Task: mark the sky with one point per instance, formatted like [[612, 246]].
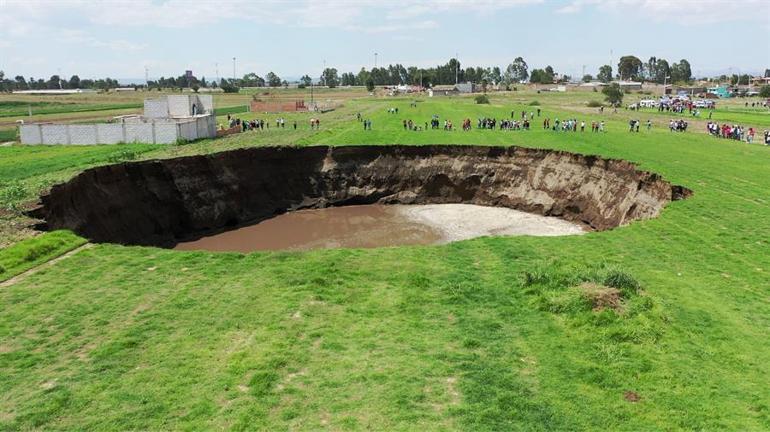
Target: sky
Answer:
[[119, 38]]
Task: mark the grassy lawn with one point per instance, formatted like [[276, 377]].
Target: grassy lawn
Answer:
[[21, 108], [496, 333]]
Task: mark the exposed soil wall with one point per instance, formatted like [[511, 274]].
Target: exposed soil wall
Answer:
[[161, 202]]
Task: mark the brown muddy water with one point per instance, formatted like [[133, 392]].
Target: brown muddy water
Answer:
[[370, 226]]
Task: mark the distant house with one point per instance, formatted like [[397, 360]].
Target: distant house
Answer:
[[593, 83], [690, 90], [54, 92], [466, 87], [443, 90], [629, 85], [721, 91], [765, 80]]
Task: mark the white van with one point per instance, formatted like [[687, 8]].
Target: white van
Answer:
[[648, 103]]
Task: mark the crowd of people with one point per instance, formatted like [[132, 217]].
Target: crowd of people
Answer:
[[726, 131], [735, 132], [677, 125], [257, 124], [635, 124]]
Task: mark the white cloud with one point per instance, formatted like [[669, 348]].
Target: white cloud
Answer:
[[80, 37], [19, 17], [683, 12]]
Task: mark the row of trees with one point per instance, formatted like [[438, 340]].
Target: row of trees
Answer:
[[448, 73], [655, 70], [629, 67], [54, 82]]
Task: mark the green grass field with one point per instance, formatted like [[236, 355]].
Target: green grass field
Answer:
[[21, 108], [496, 333]]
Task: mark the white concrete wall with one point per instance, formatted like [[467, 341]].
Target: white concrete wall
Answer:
[[166, 132], [208, 103], [154, 131], [31, 134], [188, 130], [83, 134], [55, 134], [156, 108], [179, 106], [109, 133], [141, 133]]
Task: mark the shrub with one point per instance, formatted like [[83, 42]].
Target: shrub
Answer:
[[122, 156], [594, 104], [482, 99], [534, 103], [621, 280], [11, 194], [765, 91]]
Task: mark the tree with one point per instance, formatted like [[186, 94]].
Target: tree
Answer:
[[681, 72], [587, 78], [74, 82], [613, 94], [605, 74], [21, 83], [629, 67], [273, 80], [370, 84], [362, 77], [662, 70], [329, 78], [651, 66], [496, 75], [517, 71], [549, 73], [306, 80], [764, 91], [252, 80], [744, 79], [228, 87], [54, 82], [538, 76]]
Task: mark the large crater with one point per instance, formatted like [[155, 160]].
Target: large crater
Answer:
[[162, 202]]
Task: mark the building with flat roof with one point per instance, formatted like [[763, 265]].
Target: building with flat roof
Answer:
[[166, 120]]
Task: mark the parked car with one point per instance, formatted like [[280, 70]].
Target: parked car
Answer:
[[705, 103], [648, 103]]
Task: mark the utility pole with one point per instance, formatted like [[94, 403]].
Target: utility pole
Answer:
[[59, 74], [146, 77], [584, 73], [375, 60], [216, 69], [233, 70], [610, 59]]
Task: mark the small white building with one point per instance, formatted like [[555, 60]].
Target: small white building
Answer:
[[54, 91], [166, 120], [629, 85]]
